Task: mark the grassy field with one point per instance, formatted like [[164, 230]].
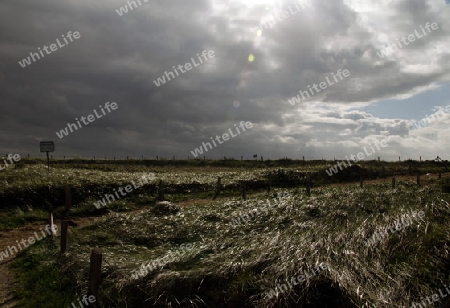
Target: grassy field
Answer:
[[343, 246]]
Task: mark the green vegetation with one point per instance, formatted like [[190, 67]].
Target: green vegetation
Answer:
[[41, 278], [237, 266], [12, 219]]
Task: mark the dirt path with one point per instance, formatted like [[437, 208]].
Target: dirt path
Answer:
[[9, 238]]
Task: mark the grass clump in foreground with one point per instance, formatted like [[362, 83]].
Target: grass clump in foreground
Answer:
[[42, 280], [238, 266], [12, 219]]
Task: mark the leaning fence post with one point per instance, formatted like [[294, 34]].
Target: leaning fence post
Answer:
[[95, 274]]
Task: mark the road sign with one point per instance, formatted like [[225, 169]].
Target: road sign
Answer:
[[47, 146]]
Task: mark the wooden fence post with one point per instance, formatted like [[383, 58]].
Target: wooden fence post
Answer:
[[418, 179], [269, 186], [161, 191], [361, 182], [95, 275], [308, 185], [217, 192], [393, 183], [64, 226], [68, 203], [440, 175], [244, 193]]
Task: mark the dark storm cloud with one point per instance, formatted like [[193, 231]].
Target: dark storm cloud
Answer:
[[118, 57]]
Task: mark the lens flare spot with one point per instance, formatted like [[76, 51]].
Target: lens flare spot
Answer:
[[251, 58]]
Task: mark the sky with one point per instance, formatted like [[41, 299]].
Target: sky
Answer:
[[265, 53]]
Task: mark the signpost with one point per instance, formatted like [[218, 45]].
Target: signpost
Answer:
[[47, 146]]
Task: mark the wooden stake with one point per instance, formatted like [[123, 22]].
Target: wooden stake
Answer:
[[161, 191], [308, 185], [68, 204], [95, 275], [218, 185]]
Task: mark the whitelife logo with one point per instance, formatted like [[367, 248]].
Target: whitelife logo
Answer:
[[15, 157], [244, 218], [435, 297], [295, 280], [85, 300], [65, 131], [31, 240], [360, 156], [27, 61], [390, 49], [161, 262], [280, 15], [296, 99], [398, 224], [225, 136], [124, 9], [145, 179], [441, 113], [187, 66]]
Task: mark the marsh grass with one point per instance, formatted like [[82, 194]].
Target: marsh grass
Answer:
[[233, 266]]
